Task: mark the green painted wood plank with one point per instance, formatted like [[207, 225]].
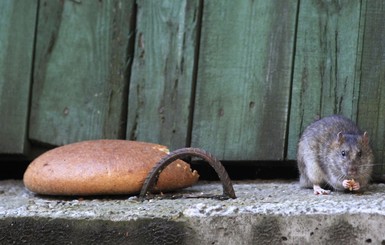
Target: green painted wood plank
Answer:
[[81, 66], [371, 108], [17, 29], [162, 73], [243, 84], [325, 79]]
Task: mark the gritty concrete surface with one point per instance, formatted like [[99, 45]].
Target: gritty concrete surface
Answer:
[[265, 212]]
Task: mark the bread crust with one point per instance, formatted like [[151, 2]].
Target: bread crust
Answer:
[[104, 167]]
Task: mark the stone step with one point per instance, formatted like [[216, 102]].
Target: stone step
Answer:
[[265, 212]]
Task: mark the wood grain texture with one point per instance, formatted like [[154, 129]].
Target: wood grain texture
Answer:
[[81, 69], [17, 27], [326, 78], [371, 108], [243, 85], [162, 74]]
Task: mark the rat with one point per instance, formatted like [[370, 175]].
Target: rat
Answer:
[[334, 152]]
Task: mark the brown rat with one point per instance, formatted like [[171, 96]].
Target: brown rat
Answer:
[[333, 151]]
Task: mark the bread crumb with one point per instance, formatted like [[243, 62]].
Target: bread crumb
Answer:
[[351, 184], [162, 149]]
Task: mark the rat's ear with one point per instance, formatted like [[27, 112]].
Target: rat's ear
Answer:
[[340, 137], [365, 138]]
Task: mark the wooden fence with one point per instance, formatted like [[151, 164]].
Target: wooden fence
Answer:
[[241, 79]]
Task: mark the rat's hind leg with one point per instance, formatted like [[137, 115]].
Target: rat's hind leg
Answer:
[[304, 181], [312, 176], [319, 191]]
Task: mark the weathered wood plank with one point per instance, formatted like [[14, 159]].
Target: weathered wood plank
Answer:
[[81, 66], [162, 74], [17, 29], [371, 108], [243, 84], [326, 78]]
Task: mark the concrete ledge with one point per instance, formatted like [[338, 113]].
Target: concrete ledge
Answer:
[[265, 212]]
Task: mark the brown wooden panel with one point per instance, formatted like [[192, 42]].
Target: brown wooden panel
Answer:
[[17, 29], [163, 70], [81, 65], [244, 73]]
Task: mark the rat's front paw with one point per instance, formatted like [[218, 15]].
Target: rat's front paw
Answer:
[[351, 185], [346, 184], [356, 186]]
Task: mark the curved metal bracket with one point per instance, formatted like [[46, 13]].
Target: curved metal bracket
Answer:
[[152, 177]]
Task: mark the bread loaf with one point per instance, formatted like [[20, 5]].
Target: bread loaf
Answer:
[[103, 167]]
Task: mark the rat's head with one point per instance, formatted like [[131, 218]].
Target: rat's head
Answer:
[[351, 156]]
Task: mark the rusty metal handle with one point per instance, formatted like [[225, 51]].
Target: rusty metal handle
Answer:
[[152, 177]]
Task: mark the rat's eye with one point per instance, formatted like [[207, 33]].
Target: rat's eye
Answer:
[[343, 153], [359, 154]]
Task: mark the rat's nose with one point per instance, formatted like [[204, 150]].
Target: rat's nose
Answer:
[[352, 170]]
